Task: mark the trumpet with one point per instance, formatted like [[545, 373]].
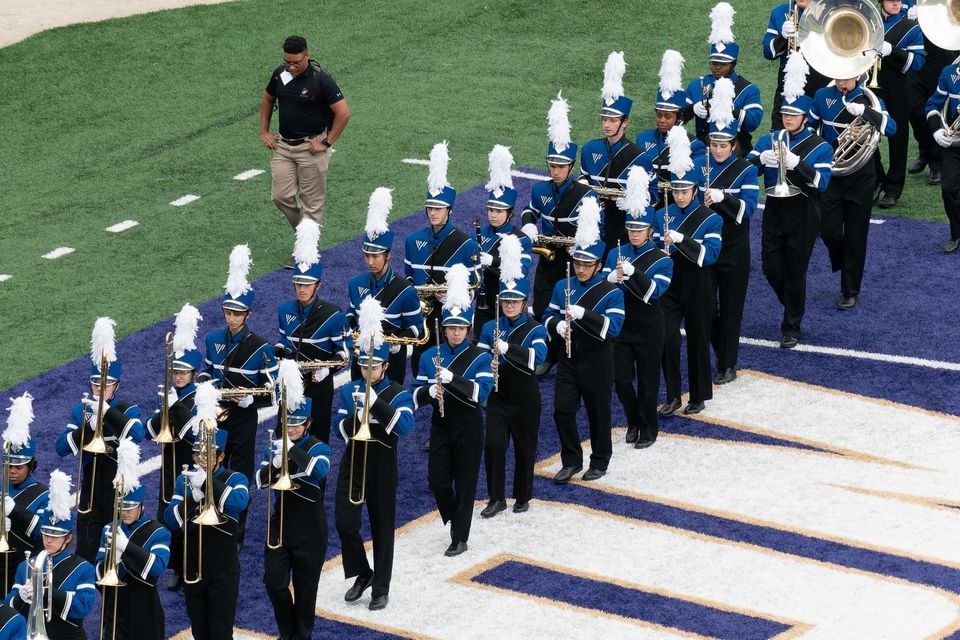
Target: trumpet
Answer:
[[97, 444], [5, 547], [793, 11], [40, 578], [207, 515], [782, 189], [437, 363], [362, 434], [284, 481], [111, 571], [547, 246]]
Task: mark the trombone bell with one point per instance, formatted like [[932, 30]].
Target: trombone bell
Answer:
[[96, 445], [363, 433], [111, 579], [208, 516]]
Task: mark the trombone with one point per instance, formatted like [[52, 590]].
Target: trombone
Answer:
[[111, 572], [165, 434], [284, 481], [5, 547], [40, 578], [97, 444], [362, 434], [207, 515]]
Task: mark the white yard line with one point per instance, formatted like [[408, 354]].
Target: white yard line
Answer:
[[4, 277], [184, 200], [58, 253], [122, 226], [249, 173], [861, 355]]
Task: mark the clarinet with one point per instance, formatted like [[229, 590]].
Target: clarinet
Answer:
[[667, 218], [495, 365], [437, 363], [567, 334], [482, 303]]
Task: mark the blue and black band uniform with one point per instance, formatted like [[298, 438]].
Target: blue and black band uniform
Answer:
[[588, 373], [923, 84], [391, 418], [948, 92], [29, 497], [606, 165], [490, 243], [13, 626], [456, 440], [656, 158], [74, 595], [747, 109]]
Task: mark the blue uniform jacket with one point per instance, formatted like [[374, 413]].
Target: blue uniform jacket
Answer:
[[544, 197], [117, 425], [402, 314], [830, 117], [186, 431], [73, 598], [329, 336], [602, 321], [419, 246], [646, 285], [700, 246], [814, 168], [472, 388], [395, 416], [31, 510], [233, 500], [526, 355], [15, 627], [948, 92], [490, 243], [742, 192], [253, 370], [908, 52], [145, 562], [594, 158], [314, 463], [747, 108]]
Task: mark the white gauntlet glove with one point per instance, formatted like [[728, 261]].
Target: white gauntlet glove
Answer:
[[675, 236], [503, 346], [792, 160], [886, 49], [561, 328], [277, 447], [245, 401], [486, 259], [612, 277], [788, 30], [716, 195], [395, 348], [8, 505], [700, 109], [768, 158], [627, 267], [530, 230], [940, 135], [444, 375], [855, 108], [433, 391], [912, 13], [576, 311], [122, 539], [26, 593], [320, 374]]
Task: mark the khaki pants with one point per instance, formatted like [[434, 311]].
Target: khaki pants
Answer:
[[296, 171]]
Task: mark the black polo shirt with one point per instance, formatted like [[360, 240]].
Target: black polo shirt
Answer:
[[304, 102]]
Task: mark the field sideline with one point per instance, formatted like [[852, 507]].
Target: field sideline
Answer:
[[112, 121]]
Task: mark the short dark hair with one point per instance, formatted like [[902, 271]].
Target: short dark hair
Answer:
[[295, 44]]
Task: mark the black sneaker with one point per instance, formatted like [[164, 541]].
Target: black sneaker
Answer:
[[493, 508]]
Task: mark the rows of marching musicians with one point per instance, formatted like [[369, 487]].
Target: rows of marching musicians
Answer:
[[647, 236]]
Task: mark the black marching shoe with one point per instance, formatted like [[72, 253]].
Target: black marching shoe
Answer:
[[725, 376], [378, 602], [593, 474], [669, 408], [934, 177], [455, 549], [520, 507], [361, 584], [847, 302], [563, 476], [917, 166], [789, 342], [493, 508], [887, 202], [951, 245], [632, 434], [693, 407], [643, 444]]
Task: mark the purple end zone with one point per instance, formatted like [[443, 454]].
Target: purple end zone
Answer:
[[906, 309]]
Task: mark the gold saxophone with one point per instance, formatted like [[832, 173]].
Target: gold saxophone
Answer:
[[546, 246]]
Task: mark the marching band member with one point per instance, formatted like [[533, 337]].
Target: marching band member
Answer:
[[236, 357], [595, 314], [902, 53], [297, 545], [458, 375], [187, 361], [432, 251], [693, 242], [403, 315], [119, 420], [948, 88], [27, 497], [604, 162], [143, 550], [779, 40], [372, 466], [501, 199], [13, 626], [732, 193], [74, 594], [519, 343], [643, 274], [724, 51], [211, 601], [670, 102], [791, 224], [846, 204], [312, 329]]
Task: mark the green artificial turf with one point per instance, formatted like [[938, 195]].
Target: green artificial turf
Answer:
[[109, 121]]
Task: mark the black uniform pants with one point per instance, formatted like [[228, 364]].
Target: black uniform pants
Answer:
[[587, 376], [548, 274], [381, 501], [950, 189], [519, 421], [691, 304], [298, 561], [140, 614], [453, 467], [895, 92], [636, 354], [844, 224], [731, 276], [241, 428], [790, 227], [89, 528], [321, 402], [212, 604]]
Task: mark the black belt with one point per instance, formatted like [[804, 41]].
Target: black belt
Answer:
[[295, 142]]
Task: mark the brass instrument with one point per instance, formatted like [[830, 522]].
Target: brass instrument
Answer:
[[111, 572], [314, 365], [608, 194], [841, 38], [284, 481], [416, 342], [546, 246], [208, 514], [793, 11], [165, 434], [97, 445], [482, 303], [952, 129], [239, 392], [567, 333], [40, 578], [5, 547], [782, 189], [428, 292], [362, 434], [437, 363], [858, 142], [940, 22], [495, 364]]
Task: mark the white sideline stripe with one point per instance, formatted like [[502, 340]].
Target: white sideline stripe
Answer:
[[122, 226], [58, 252], [4, 277], [153, 464], [249, 173], [187, 199], [518, 174]]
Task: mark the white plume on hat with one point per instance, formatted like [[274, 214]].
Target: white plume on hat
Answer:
[[721, 23], [103, 342], [511, 259], [458, 288], [185, 325], [439, 160], [558, 123], [637, 196], [795, 76], [292, 381], [588, 223], [613, 72], [206, 400], [128, 463], [306, 252], [60, 502], [378, 208], [240, 262], [721, 103], [671, 73], [500, 161], [679, 144], [17, 433], [370, 319]]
